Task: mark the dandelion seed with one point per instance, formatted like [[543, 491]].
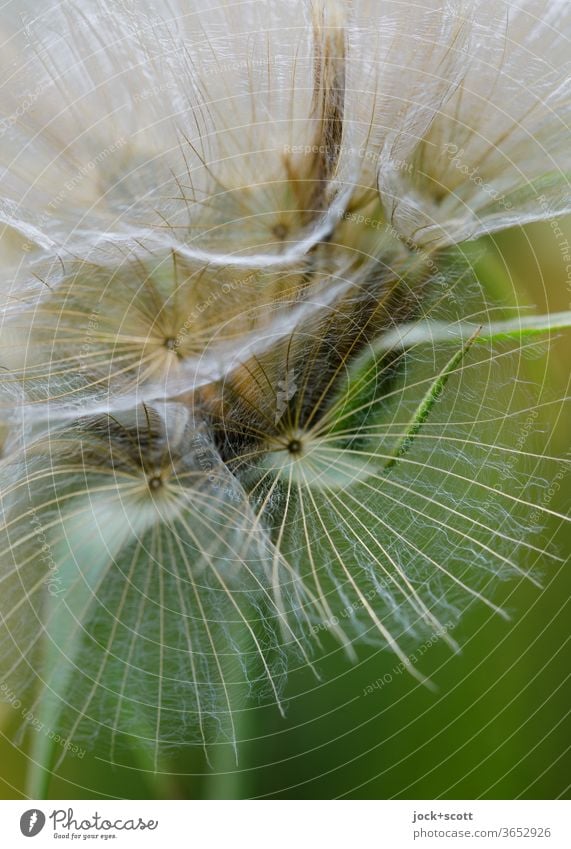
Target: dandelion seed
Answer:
[[492, 150], [234, 409]]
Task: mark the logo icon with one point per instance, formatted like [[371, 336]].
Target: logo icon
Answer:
[[32, 822]]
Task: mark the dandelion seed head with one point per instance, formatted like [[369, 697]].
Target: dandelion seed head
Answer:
[[223, 441], [295, 446]]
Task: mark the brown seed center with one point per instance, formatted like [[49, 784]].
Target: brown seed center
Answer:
[[155, 482]]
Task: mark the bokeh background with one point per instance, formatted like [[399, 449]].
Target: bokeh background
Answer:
[[496, 726]]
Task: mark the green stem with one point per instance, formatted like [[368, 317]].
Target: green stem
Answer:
[[425, 407], [424, 332]]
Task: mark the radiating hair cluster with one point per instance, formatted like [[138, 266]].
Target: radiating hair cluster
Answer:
[[253, 390]]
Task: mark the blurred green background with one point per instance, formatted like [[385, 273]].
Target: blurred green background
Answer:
[[497, 725]]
